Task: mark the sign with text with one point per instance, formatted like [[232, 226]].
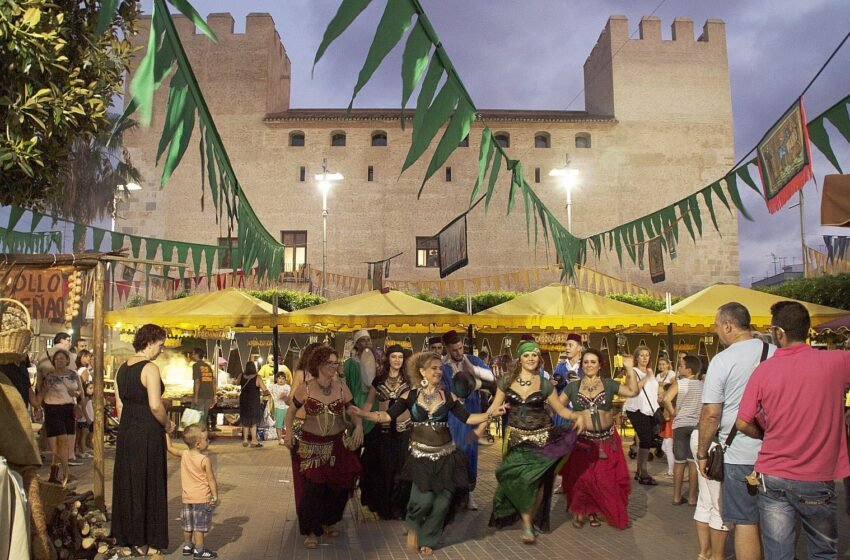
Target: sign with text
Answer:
[[41, 291]]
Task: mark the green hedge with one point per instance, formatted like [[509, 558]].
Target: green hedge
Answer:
[[480, 301], [288, 300], [833, 291], [643, 300]]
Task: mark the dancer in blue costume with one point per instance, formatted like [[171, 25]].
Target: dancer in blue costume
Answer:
[[462, 375]]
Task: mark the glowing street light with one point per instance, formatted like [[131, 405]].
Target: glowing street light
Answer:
[[569, 178], [325, 180]]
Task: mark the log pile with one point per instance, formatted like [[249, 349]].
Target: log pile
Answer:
[[78, 530]]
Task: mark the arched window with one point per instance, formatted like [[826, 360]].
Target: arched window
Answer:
[[503, 139], [338, 139], [583, 140], [542, 140], [379, 138], [296, 138]]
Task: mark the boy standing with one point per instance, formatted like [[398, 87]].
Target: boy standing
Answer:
[[200, 491]]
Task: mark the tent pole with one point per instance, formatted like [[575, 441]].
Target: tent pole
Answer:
[[99, 409]]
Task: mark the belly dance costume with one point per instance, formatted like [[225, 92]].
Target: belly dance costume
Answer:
[[385, 452], [328, 469], [596, 477], [434, 466], [533, 450]]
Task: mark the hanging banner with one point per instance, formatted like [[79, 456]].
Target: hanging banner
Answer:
[[40, 291], [784, 158], [452, 247], [656, 260]]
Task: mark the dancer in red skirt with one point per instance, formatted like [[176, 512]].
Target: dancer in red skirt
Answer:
[[596, 478]]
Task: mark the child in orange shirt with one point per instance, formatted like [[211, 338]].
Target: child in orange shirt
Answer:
[[200, 491]]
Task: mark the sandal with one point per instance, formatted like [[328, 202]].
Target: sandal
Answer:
[[330, 530], [311, 542], [528, 536], [594, 522], [244, 444], [578, 522], [426, 551], [258, 444]]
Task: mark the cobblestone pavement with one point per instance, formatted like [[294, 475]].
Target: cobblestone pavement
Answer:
[[256, 519]]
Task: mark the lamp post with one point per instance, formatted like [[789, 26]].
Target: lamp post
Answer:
[[568, 176], [325, 180]]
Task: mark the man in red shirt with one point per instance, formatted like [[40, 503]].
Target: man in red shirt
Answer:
[[795, 402]]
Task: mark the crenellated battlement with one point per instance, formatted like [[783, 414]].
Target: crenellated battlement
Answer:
[[222, 23]]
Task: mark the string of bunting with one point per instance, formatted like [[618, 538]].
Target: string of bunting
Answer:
[[425, 60], [822, 264]]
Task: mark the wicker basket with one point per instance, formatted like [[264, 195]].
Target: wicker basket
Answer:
[[15, 327]]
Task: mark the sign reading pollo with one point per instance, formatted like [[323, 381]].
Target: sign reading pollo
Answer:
[[41, 291]]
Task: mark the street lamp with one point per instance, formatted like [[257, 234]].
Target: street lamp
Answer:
[[325, 180], [568, 176]]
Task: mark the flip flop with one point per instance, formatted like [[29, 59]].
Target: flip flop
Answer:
[[594, 522]]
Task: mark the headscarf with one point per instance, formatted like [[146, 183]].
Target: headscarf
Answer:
[[360, 334], [528, 346]]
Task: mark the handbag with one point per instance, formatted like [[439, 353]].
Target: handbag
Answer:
[[657, 413], [714, 459]]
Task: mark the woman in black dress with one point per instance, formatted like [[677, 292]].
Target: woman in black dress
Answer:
[[249, 403], [385, 447], [139, 494]]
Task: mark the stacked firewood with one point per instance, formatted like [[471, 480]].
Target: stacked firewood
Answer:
[[78, 530]]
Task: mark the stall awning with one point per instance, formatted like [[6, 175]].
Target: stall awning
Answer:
[[840, 325], [394, 311], [698, 311], [561, 307], [224, 309]]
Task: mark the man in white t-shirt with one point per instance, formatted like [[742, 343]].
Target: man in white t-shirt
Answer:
[[727, 377]]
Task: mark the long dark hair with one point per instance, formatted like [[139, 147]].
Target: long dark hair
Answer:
[[385, 367], [305, 355]]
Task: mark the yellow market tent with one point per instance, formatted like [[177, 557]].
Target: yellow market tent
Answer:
[[224, 309], [697, 311], [557, 307], [394, 311]]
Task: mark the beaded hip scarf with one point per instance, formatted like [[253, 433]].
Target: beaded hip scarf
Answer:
[[434, 453]]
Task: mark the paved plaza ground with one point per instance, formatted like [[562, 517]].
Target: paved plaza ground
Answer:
[[256, 519]]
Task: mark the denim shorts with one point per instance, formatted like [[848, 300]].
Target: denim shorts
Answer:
[[196, 517], [737, 506], [682, 444]]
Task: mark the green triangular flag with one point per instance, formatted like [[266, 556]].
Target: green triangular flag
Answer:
[[135, 245], [196, 259], [36, 218], [79, 236], [117, 240], [15, 213], [182, 252], [210, 254], [97, 238]]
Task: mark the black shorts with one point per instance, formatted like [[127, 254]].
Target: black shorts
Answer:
[[59, 420], [643, 428]]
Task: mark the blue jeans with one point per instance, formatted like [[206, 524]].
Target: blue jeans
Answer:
[[782, 502]]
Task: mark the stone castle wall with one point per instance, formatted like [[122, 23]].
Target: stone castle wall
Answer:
[[658, 115]]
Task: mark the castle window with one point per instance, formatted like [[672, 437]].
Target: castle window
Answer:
[[302, 174], [583, 140], [448, 174], [427, 252], [379, 138], [542, 140], [536, 174], [503, 139], [296, 138], [338, 139], [370, 174], [228, 252], [464, 143], [294, 250]]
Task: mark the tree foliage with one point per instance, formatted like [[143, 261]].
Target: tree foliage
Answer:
[[288, 300], [643, 300], [833, 291], [480, 301], [58, 82]]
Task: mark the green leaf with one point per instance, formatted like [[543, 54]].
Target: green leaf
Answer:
[[494, 175], [178, 91], [413, 64], [187, 10], [744, 174], [820, 138], [732, 188], [718, 190], [515, 167], [693, 204], [426, 92], [438, 113], [457, 130], [144, 85], [105, 15], [706, 196], [393, 25], [31, 17], [179, 142], [485, 153], [347, 13]]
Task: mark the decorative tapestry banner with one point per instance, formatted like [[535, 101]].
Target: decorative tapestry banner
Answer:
[[784, 158], [452, 247]]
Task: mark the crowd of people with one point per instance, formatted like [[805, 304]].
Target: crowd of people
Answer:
[[405, 429]]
